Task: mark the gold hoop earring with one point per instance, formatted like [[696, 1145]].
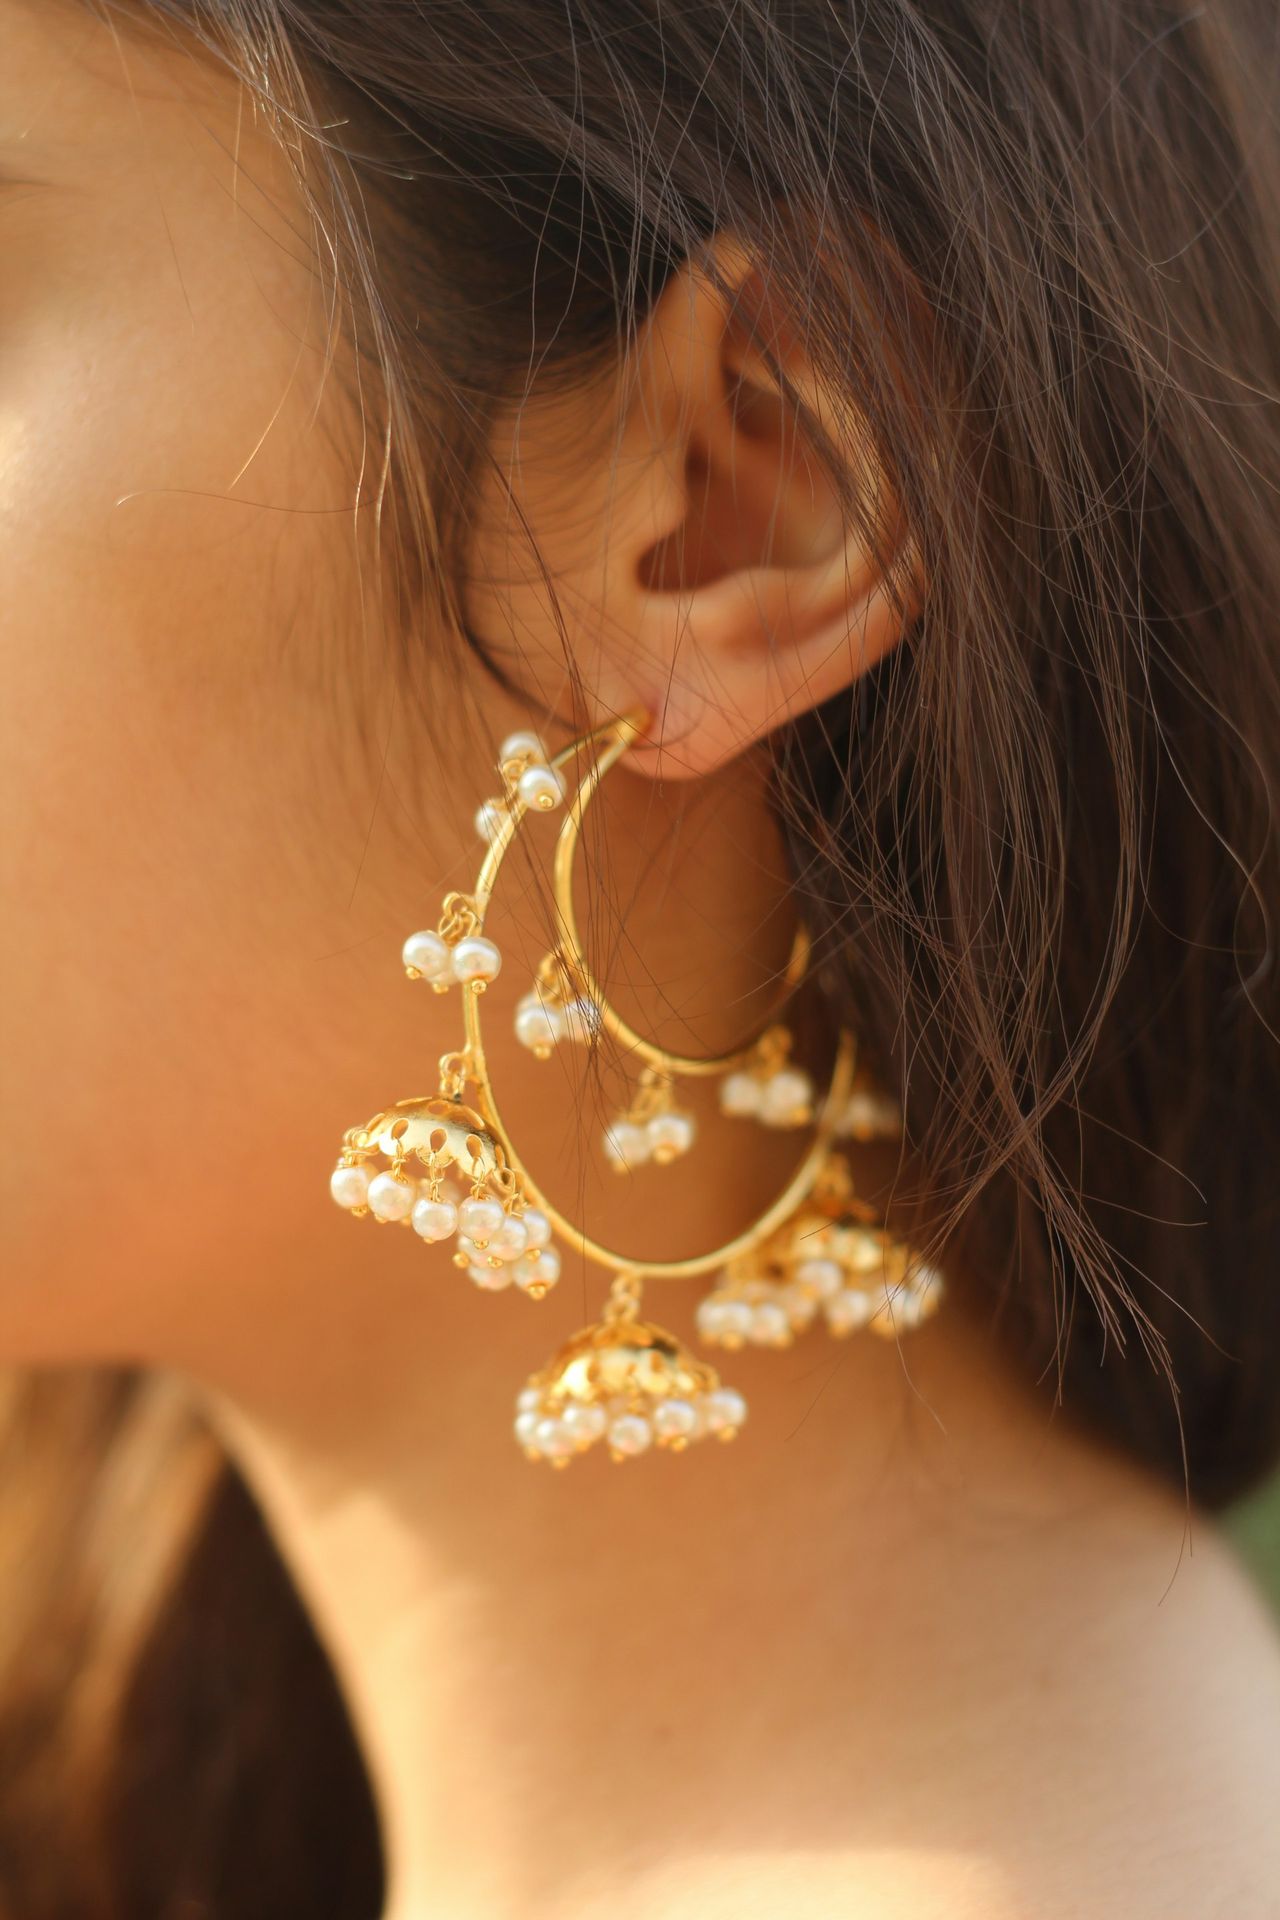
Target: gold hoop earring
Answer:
[[444, 1164]]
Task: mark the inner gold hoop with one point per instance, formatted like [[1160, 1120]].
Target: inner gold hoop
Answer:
[[611, 741]]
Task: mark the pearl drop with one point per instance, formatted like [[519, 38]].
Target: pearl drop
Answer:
[[871, 1116], [510, 1239], [521, 746], [723, 1411], [389, 1198], [674, 1420], [491, 817], [788, 1098], [929, 1283], [427, 955], [799, 1305], [823, 1277], [554, 1439], [770, 1326], [537, 1273], [526, 1428], [479, 1220], [630, 1434], [849, 1310], [735, 1322], [740, 1095], [434, 1219], [670, 1135], [581, 1021], [350, 1186], [476, 958], [529, 1400], [709, 1318], [585, 1422], [626, 1145], [863, 1251], [540, 788], [537, 1228], [539, 1026], [490, 1279]]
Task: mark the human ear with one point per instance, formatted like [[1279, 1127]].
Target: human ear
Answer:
[[704, 563], [761, 595]]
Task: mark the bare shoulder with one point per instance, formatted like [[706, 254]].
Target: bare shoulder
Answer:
[[1130, 1760], [1100, 1738]]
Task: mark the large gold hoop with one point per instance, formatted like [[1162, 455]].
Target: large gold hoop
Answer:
[[611, 741]]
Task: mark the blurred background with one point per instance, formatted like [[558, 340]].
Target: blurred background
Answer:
[[1254, 1525]]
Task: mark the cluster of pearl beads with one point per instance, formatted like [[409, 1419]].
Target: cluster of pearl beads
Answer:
[[773, 1092], [653, 1129], [543, 1023], [471, 961], [868, 1284], [662, 1138], [552, 1428], [528, 780], [870, 1115], [498, 1244]]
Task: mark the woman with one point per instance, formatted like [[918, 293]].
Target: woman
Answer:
[[880, 403]]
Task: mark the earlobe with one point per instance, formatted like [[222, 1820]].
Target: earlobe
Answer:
[[762, 598]]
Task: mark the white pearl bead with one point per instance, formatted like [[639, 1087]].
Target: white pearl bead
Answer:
[[670, 1135], [630, 1434], [554, 1439], [724, 1410], [740, 1095], [709, 1318], [929, 1282], [821, 1276], [770, 1326], [788, 1098], [626, 1145], [521, 746], [539, 1025], [350, 1186], [490, 1279], [476, 958], [585, 1422], [434, 1219], [509, 1239], [479, 1220], [674, 1420], [526, 1428], [427, 955], [799, 1305], [540, 788], [849, 1310], [491, 817], [529, 1400], [389, 1198], [537, 1228], [581, 1021], [537, 1273], [862, 1250], [871, 1116], [735, 1322]]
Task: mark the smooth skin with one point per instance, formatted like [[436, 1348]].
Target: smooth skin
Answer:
[[911, 1647]]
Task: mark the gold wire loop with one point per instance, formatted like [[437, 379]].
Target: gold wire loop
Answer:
[[610, 742]]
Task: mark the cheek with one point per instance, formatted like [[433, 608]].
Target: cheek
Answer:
[[183, 732]]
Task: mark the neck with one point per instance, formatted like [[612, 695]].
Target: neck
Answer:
[[561, 1681]]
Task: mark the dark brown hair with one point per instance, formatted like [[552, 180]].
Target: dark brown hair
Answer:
[[1037, 251]]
